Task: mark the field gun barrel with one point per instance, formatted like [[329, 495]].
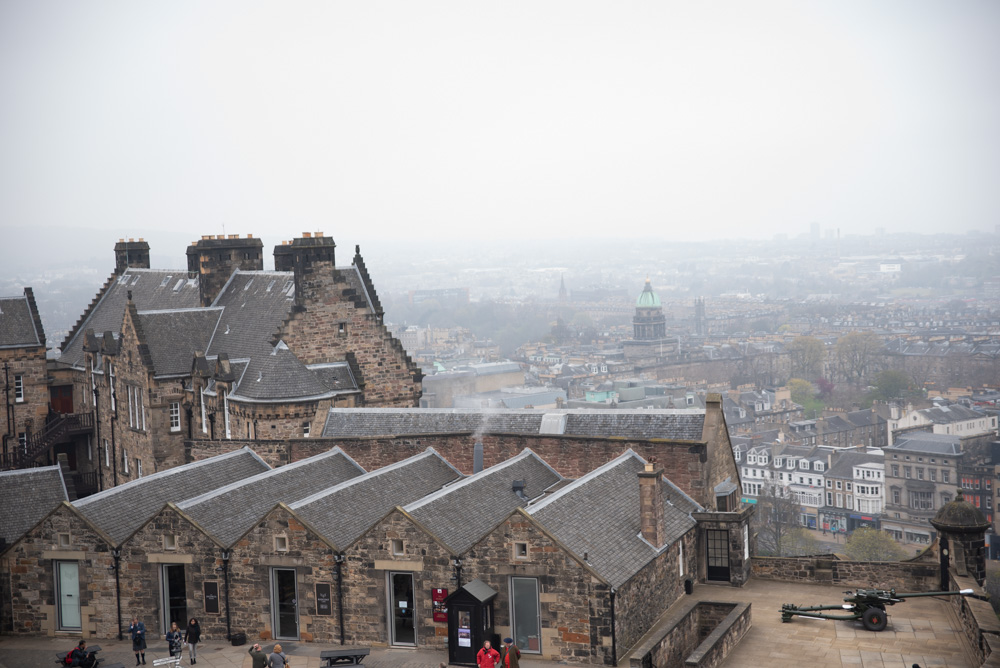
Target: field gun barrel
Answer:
[[866, 605]]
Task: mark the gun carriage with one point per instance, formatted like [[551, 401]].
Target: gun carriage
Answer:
[[868, 605]]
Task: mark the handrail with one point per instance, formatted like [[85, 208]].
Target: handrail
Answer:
[[39, 442]]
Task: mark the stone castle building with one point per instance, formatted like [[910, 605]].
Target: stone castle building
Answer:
[[223, 350]]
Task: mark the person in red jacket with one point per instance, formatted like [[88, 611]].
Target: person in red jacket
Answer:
[[511, 655], [487, 657]]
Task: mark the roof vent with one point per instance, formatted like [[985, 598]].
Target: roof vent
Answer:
[[518, 488]]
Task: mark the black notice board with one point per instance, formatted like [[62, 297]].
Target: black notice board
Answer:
[[211, 598], [323, 599]]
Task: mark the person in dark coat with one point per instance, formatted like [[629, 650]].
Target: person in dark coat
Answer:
[[138, 632], [258, 656], [174, 639], [81, 657], [509, 655], [191, 636]]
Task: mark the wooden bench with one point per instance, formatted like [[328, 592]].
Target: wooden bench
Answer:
[[168, 661], [345, 656]]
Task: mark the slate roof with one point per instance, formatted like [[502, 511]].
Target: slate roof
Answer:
[[335, 377], [173, 337], [26, 496], [152, 290], [18, 327], [344, 512], [462, 513], [844, 463], [951, 413], [599, 515], [121, 510], [673, 424], [277, 376], [940, 444], [228, 512], [255, 303]]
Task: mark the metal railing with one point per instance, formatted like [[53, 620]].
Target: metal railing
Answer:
[[55, 430]]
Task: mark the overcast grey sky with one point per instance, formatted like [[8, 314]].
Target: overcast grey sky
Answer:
[[686, 120]]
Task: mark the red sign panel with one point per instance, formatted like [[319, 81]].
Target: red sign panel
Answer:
[[438, 596]]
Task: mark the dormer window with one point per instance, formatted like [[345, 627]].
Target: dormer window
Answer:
[[803, 464], [777, 462], [819, 466]]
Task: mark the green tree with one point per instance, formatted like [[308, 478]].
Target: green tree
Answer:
[[857, 353], [799, 543], [775, 520], [867, 544], [806, 353], [801, 390]]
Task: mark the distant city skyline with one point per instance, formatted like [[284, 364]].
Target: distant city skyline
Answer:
[[476, 121]]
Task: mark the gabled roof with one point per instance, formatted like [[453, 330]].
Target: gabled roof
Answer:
[[26, 496], [255, 303], [342, 513], [228, 512], [121, 510], [598, 515], [20, 324], [670, 424], [152, 289], [462, 513], [174, 336]]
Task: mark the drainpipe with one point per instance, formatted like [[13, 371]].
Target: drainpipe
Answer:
[[614, 644], [339, 558], [117, 554], [11, 429], [97, 427], [225, 572], [457, 563]]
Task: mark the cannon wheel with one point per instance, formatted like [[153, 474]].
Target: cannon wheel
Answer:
[[874, 619]]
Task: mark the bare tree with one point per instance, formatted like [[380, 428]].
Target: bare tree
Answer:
[[776, 520], [857, 354], [805, 354]]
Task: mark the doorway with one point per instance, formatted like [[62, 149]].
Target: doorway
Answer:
[[68, 595], [525, 614], [61, 398], [718, 555], [402, 630], [174, 596], [284, 603]]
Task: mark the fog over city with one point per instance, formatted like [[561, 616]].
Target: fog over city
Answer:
[[474, 121]]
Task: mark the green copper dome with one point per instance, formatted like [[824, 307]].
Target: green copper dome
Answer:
[[647, 298]]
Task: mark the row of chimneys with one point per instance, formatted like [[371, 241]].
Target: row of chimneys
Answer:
[[214, 257]]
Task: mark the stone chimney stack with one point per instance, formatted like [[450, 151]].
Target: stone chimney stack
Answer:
[[651, 520], [214, 258], [131, 254], [312, 260]]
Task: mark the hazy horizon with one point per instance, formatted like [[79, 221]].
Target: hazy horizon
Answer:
[[478, 121]]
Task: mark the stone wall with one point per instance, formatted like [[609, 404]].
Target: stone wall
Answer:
[[30, 566], [899, 575], [640, 601], [979, 622], [700, 634], [369, 561], [29, 415], [148, 551], [333, 320], [252, 561]]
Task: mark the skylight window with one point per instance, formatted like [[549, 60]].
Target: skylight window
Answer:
[[164, 282], [249, 283], [178, 285], [270, 285]]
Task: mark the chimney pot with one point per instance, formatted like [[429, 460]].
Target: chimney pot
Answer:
[[307, 235], [318, 234], [131, 239]]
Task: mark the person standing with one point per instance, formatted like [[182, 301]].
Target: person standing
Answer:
[[138, 632], [277, 658], [487, 656], [510, 654], [258, 656], [191, 636], [174, 639]]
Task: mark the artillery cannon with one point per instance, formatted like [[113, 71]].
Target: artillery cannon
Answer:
[[868, 605]]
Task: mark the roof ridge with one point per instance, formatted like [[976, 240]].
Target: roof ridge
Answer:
[[475, 477], [581, 481], [163, 474]]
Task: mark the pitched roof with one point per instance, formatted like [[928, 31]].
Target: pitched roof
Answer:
[[343, 512], [173, 337], [255, 303], [228, 512], [674, 424], [278, 376], [152, 290], [27, 496], [121, 510], [20, 325], [598, 515], [464, 512]]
